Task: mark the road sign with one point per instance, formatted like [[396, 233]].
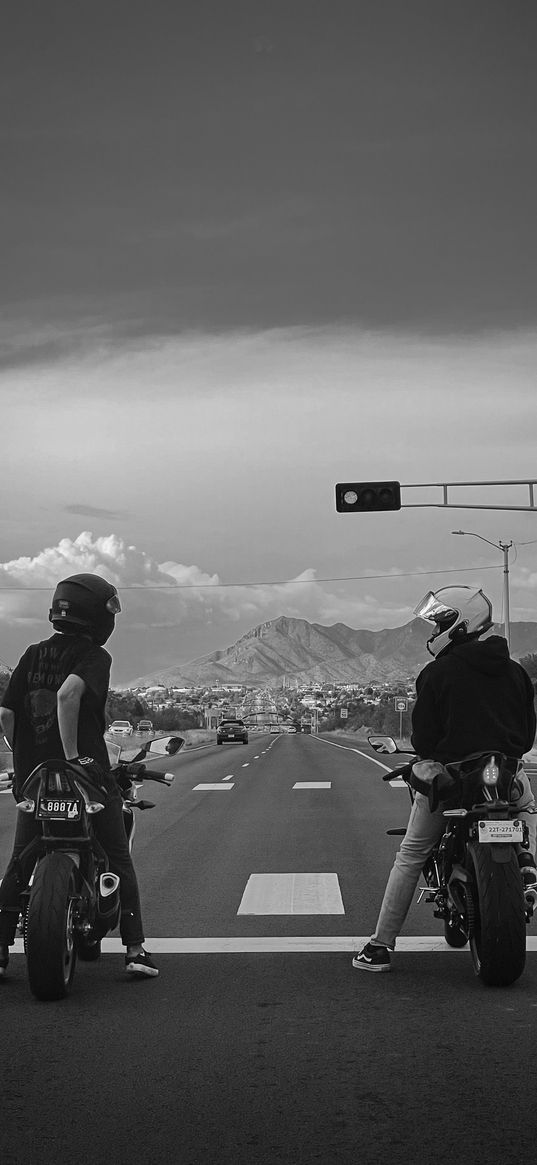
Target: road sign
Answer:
[[343, 713], [401, 705]]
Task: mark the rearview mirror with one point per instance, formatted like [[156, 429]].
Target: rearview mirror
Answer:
[[383, 744], [165, 745]]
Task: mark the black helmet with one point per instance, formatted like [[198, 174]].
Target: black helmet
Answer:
[[86, 602]]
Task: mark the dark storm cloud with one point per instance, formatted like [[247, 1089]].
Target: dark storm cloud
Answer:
[[377, 164]]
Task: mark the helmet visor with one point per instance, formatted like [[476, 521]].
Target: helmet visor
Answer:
[[113, 605], [433, 610]]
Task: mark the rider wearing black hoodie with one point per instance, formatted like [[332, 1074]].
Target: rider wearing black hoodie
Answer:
[[473, 698]]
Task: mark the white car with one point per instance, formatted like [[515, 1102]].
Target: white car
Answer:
[[121, 728]]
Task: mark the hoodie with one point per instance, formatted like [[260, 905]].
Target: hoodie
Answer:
[[473, 698]]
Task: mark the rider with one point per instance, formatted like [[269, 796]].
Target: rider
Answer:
[[472, 698], [54, 706]]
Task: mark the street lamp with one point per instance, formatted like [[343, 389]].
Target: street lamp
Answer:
[[505, 548]]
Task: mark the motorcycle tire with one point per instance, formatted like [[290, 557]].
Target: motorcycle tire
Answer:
[[49, 938], [498, 932], [454, 935]]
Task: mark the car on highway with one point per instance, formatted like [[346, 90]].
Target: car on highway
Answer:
[[145, 726], [121, 728], [275, 730], [232, 730]]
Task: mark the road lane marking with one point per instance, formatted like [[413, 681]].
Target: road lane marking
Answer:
[[292, 894], [348, 748], [229, 778], [313, 785], [212, 788], [247, 765], [308, 944]]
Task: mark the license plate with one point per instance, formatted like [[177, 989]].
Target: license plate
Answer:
[[231, 736], [58, 809], [507, 831]]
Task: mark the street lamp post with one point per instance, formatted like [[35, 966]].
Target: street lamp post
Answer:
[[505, 548]]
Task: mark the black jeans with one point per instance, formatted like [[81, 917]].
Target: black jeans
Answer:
[[110, 831]]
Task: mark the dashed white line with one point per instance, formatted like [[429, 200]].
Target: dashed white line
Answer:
[[313, 785], [212, 788], [303, 893]]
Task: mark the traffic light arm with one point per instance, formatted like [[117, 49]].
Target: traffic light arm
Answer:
[[446, 504]]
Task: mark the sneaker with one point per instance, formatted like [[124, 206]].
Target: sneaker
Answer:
[[141, 964], [372, 958]]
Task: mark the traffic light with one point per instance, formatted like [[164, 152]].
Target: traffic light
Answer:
[[363, 497]]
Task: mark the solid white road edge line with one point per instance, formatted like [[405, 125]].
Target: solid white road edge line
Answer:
[[348, 748], [284, 944]]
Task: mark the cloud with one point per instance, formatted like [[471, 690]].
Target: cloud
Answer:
[[173, 612], [96, 512], [156, 595]]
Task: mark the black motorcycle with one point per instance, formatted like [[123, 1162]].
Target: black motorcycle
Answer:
[[73, 898], [473, 876]]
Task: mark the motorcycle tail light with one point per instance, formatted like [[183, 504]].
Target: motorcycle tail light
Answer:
[[26, 806], [94, 806], [491, 772]]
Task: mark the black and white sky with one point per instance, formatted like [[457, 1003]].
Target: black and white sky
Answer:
[[250, 249]]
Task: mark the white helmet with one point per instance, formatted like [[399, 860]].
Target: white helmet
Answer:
[[456, 613]]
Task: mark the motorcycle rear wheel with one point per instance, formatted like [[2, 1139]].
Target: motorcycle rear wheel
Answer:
[[498, 935], [48, 933]]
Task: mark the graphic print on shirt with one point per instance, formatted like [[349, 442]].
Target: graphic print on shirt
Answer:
[[43, 683]]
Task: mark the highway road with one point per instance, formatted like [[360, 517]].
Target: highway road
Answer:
[[261, 870]]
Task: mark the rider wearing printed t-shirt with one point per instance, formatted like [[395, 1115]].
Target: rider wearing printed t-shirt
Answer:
[[472, 698], [54, 706]]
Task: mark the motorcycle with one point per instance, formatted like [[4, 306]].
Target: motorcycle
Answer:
[[72, 901], [473, 876]]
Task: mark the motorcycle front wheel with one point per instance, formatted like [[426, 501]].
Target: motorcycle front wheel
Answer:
[[48, 932], [498, 932]]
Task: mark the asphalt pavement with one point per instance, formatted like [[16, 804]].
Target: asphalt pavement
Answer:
[[283, 1053]]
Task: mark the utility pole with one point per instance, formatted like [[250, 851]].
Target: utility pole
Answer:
[[505, 548]]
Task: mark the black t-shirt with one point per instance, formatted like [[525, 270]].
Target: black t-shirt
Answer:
[[31, 695]]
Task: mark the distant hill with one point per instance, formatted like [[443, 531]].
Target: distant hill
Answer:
[[311, 653]]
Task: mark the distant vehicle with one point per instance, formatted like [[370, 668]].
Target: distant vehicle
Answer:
[[121, 728], [291, 730], [145, 726], [275, 730], [234, 730]]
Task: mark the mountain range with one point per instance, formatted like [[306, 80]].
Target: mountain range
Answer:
[[306, 653]]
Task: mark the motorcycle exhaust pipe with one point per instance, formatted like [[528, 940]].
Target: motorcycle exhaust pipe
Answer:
[[108, 899], [107, 884]]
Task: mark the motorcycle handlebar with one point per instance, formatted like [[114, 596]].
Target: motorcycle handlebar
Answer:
[[403, 771], [139, 771]]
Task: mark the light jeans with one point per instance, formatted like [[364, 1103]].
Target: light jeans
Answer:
[[424, 830]]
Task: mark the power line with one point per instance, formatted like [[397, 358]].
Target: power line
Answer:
[[274, 583]]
